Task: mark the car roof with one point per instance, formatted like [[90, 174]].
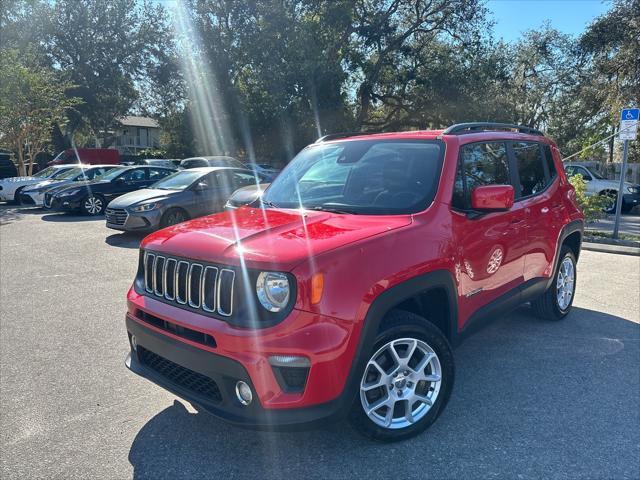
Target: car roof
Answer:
[[214, 169]]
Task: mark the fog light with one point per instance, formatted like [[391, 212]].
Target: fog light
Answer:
[[134, 343], [243, 392]]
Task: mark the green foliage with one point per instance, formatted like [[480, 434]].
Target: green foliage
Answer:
[[593, 205], [31, 101]]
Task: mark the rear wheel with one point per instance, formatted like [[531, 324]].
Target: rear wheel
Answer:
[[612, 198], [407, 380], [93, 205], [173, 217], [555, 303]]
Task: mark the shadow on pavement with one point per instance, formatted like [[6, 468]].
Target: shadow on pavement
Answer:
[[10, 212], [71, 217], [125, 239], [532, 399]]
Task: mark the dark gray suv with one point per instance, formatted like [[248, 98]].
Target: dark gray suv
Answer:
[[184, 195]]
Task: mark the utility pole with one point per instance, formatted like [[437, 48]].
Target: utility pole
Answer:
[[623, 171]]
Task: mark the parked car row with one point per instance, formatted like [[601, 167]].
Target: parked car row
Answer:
[[140, 197]]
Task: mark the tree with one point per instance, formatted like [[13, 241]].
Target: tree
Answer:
[[109, 49], [31, 101]]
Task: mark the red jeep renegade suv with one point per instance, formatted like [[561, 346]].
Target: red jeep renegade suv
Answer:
[[343, 290]]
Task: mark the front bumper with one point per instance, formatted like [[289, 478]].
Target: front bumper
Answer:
[[65, 203], [133, 221], [242, 354], [630, 200], [32, 198]]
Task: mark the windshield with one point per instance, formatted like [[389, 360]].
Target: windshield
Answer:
[[597, 175], [177, 181], [69, 174], [364, 176], [46, 173], [111, 174]]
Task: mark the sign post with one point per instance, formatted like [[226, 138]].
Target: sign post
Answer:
[[628, 131]]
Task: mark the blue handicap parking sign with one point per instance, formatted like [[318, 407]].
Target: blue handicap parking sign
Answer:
[[630, 114]]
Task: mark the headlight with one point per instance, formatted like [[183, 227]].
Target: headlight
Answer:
[[273, 290], [67, 193], [145, 207], [633, 189]]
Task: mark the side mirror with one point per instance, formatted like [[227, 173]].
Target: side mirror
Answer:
[[201, 186], [492, 198], [119, 180]]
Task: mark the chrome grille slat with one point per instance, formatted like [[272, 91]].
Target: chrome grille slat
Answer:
[[179, 269], [148, 257], [220, 309], [195, 274], [189, 284], [214, 271], [168, 262]]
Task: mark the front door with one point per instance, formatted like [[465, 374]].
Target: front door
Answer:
[[491, 247]]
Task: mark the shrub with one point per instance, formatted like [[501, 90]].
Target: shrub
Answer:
[[593, 205]]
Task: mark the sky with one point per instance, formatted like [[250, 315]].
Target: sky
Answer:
[[512, 17]]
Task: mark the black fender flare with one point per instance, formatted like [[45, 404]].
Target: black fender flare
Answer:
[[442, 279]]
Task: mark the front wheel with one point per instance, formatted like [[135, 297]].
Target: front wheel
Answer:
[[555, 303], [407, 380], [173, 217], [93, 205]]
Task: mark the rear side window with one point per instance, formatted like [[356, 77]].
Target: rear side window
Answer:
[[480, 164], [530, 167]]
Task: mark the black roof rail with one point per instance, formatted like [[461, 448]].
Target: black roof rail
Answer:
[[462, 128], [336, 136]]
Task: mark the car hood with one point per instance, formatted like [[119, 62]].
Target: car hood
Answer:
[[143, 195], [48, 184], [267, 238], [81, 184], [11, 180]]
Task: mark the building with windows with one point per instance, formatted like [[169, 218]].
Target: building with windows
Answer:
[[134, 134]]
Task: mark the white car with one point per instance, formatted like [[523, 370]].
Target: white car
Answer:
[[598, 185], [34, 194], [10, 187]]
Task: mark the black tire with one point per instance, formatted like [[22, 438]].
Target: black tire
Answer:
[[399, 324], [93, 204], [546, 305], [614, 200], [173, 216], [16, 196], [626, 208]]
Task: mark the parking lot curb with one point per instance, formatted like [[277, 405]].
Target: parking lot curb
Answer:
[[606, 248]]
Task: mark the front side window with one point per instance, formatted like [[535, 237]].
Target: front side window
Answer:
[[530, 167], [158, 173], [360, 176], [136, 175], [479, 164]]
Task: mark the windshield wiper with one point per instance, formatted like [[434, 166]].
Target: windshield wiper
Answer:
[[332, 209]]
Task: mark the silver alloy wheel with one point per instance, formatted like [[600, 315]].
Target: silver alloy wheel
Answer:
[[93, 205], [400, 383], [565, 283]]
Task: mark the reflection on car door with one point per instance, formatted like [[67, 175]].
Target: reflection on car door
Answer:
[[490, 247]]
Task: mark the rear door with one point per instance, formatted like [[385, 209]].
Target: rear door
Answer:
[[537, 192], [491, 247]]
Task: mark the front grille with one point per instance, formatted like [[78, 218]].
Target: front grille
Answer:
[[188, 379], [116, 216], [190, 284], [184, 332]]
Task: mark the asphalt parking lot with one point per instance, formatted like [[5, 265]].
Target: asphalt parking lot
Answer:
[[532, 398]]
